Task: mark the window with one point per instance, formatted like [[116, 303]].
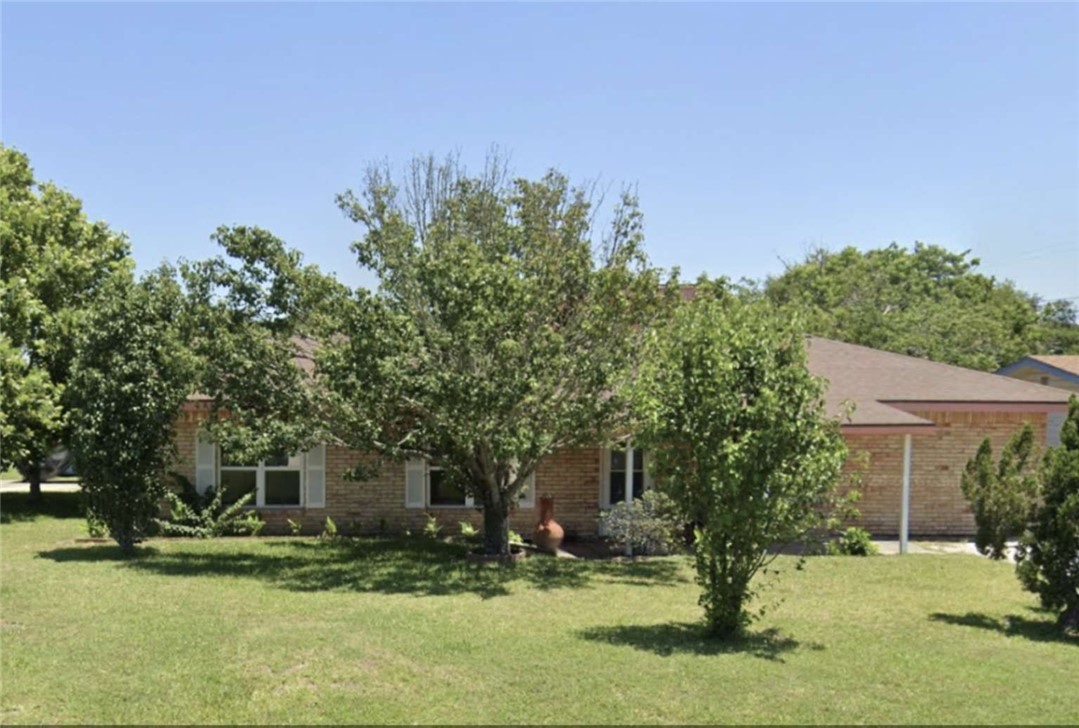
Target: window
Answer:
[[1045, 381], [623, 472], [276, 481], [441, 492], [426, 486]]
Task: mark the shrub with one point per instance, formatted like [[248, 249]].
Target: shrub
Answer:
[[649, 525], [853, 542], [736, 430], [431, 529], [515, 538], [1001, 494], [1048, 554], [468, 531], [205, 515], [295, 527], [329, 530]]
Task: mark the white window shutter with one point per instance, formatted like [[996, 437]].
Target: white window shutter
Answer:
[[415, 483], [528, 493], [205, 464], [315, 477]]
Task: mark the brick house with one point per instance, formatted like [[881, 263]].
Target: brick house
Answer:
[[1061, 371], [917, 421]]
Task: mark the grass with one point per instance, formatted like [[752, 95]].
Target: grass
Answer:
[[368, 631]]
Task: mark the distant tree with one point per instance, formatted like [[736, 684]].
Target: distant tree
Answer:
[[1059, 322], [926, 301], [128, 382], [736, 433], [501, 330], [54, 263], [1048, 555], [1000, 493]]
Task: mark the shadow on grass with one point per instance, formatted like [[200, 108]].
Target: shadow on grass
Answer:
[[98, 552], [375, 565], [18, 508], [1012, 625], [690, 637]]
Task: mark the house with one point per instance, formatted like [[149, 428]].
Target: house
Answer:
[[1052, 371], [918, 422]]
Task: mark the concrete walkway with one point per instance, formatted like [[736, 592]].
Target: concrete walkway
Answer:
[[16, 486], [891, 548]]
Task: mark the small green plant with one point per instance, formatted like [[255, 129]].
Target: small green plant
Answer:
[[205, 515], [95, 527], [431, 529], [295, 527], [515, 538], [329, 530], [468, 530], [650, 524], [853, 542]]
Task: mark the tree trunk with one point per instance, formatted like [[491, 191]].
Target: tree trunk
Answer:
[[1069, 619], [33, 477], [496, 527]]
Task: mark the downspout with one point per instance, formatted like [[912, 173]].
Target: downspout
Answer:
[[904, 512]]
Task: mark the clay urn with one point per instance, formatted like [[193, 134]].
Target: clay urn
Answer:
[[548, 534]]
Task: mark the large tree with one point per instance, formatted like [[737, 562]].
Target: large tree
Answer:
[[128, 381], [53, 264], [925, 301], [501, 330], [255, 315], [737, 435]]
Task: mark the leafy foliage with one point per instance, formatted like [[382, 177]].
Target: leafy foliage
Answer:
[[128, 382], [650, 524], [329, 530], [431, 527], [206, 515], [256, 313], [500, 331], [54, 265], [853, 541], [927, 302], [1048, 555], [1000, 494], [737, 436]]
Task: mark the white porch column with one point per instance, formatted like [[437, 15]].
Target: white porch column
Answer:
[[904, 512], [629, 486]]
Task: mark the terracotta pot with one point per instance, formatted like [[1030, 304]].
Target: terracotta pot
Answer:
[[548, 534]]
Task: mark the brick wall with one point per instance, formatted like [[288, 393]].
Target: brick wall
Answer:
[[571, 477], [938, 507]]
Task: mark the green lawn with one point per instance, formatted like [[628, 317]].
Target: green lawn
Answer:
[[289, 631]]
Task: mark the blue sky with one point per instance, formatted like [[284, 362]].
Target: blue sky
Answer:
[[753, 132]]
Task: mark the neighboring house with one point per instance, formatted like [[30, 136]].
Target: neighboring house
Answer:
[[1053, 371], [917, 421]]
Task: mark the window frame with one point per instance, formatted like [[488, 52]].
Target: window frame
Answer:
[[260, 469], [605, 502], [469, 502]]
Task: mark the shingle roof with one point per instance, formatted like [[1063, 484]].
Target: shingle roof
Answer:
[[1067, 362], [877, 380]]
